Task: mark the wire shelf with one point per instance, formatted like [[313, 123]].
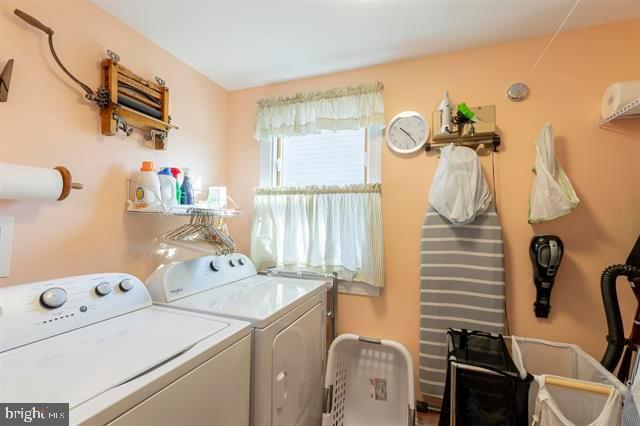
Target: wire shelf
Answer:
[[183, 210], [630, 110], [180, 210]]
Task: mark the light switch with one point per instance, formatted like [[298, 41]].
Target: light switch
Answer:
[[6, 236]]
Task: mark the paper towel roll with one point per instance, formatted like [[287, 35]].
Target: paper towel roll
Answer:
[[618, 95], [19, 182]]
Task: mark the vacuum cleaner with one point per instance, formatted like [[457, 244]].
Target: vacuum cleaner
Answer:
[[616, 341], [545, 252]]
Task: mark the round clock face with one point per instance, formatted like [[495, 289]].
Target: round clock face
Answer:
[[407, 132]]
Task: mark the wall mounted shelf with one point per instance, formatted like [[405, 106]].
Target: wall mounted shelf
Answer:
[[631, 110], [184, 210], [470, 134], [180, 210]]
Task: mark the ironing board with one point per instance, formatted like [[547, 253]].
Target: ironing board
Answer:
[[461, 286]]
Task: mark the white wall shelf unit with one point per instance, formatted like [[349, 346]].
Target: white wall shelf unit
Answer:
[[631, 110], [183, 210]]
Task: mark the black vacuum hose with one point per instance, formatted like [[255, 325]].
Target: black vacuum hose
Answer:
[[616, 340]]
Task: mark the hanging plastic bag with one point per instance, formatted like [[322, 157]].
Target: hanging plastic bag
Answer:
[[459, 191], [552, 195]]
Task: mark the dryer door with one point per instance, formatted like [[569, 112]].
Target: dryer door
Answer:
[[297, 367]]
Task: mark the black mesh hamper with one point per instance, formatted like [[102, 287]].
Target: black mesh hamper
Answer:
[[483, 382]]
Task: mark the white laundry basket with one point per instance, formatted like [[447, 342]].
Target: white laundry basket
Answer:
[[541, 357], [562, 359], [368, 382]]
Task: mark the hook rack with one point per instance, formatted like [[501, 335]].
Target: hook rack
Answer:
[[467, 133], [492, 141]]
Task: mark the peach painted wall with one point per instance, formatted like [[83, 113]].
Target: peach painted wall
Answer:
[[46, 122], [603, 165]]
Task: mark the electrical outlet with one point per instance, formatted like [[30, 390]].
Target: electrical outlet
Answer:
[[6, 236]]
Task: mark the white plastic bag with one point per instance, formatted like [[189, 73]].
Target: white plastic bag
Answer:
[[459, 190], [552, 195]]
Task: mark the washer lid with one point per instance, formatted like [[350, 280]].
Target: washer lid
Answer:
[[259, 299], [78, 365]]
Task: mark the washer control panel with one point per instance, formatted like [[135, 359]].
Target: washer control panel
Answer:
[[182, 279], [35, 311]]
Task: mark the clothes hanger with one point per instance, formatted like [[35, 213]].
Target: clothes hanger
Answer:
[[202, 229]]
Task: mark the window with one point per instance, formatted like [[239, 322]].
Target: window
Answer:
[[342, 157]]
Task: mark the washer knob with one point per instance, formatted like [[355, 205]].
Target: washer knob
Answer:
[[241, 261], [215, 265], [126, 285], [232, 263], [103, 288], [53, 297]]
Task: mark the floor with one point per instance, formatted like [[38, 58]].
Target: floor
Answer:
[[427, 419]]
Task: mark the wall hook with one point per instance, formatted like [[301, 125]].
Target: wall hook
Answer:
[[123, 125], [5, 80]]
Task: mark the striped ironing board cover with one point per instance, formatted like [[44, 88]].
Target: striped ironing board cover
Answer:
[[461, 286]]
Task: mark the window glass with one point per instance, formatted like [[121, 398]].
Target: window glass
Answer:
[[327, 158]]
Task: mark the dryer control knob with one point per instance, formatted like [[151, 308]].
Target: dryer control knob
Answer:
[[232, 263], [215, 265], [53, 297], [126, 285], [103, 288], [241, 261]]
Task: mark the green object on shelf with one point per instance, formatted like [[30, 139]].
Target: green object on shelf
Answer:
[[464, 110]]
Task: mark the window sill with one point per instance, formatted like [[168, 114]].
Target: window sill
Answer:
[[358, 288]]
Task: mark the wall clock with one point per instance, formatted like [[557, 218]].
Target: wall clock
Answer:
[[407, 132]]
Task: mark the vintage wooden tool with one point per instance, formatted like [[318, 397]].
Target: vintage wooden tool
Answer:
[[134, 102], [125, 99]]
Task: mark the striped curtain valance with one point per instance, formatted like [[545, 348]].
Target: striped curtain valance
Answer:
[[321, 229], [345, 108]]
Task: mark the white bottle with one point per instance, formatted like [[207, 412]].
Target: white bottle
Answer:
[[147, 188], [167, 188], [445, 114]]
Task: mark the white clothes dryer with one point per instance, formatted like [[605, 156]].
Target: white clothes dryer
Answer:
[[288, 317]]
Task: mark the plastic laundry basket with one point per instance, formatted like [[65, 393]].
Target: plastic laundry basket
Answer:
[[368, 382]]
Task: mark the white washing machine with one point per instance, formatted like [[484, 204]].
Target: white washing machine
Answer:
[[97, 343], [288, 317]]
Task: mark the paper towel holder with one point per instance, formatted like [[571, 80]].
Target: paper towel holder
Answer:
[[5, 80], [67, 182], [49, 184]]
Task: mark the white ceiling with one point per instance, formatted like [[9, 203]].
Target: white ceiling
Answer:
[[240, 44]]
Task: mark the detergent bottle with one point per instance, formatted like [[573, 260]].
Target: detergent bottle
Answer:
[[175, 172], [186, 196], [147, 187], [167, 188]]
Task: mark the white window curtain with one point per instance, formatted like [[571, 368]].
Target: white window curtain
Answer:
[[321, 229], [345, 108]]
